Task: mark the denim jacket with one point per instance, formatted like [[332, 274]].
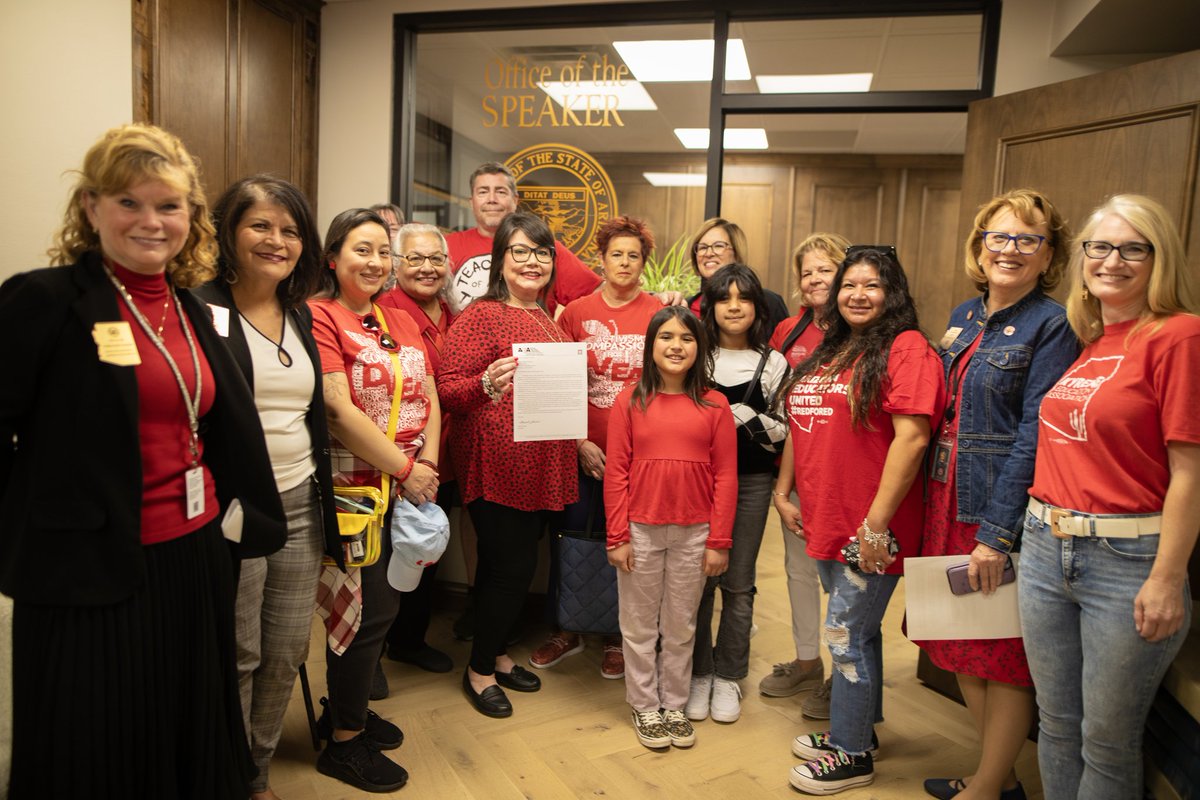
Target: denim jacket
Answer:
[[1025, 349]]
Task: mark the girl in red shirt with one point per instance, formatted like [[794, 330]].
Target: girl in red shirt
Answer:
[[670, 491]]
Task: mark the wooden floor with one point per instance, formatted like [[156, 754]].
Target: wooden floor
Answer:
[[573, 739]]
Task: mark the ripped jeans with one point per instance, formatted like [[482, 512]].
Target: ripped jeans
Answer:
[[852, 633]]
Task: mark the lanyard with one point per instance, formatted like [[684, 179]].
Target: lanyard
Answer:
[[191, 404], [958, 372]]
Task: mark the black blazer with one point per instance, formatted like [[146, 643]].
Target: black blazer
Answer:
[[217, 293], [70, 464]]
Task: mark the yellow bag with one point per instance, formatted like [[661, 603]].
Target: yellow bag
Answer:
[[360, 509]]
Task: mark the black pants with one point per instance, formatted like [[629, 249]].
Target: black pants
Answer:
[[508, 554], [407, 634], [349, 675]]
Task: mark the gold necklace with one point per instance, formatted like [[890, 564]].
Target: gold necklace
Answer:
[[553, 331]]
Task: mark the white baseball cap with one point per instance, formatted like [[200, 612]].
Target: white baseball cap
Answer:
[[419, 537]]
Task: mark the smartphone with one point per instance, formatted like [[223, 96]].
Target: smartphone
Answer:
[[961, 584]]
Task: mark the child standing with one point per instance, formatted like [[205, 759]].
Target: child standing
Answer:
[[670, 491], [748, 373]]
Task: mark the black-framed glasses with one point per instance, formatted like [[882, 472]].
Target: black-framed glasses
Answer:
[[855, 250], [371, 325], [417, 259], [1027, 243], [520, 253], [1130, 251], [716, 248]]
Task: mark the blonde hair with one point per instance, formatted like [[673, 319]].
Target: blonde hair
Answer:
[[1025, 205], [1170, 291], [832, 245], [123, 157], [736, 238]]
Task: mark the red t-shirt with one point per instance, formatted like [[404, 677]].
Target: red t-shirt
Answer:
[[616, 339], [471, 262], [345, 346], [808, 340], [164, 437], [673, 464], [530, 476], [838, 466], [1103, 428]]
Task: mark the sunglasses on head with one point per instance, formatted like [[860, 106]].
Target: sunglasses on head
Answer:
[[858, 249], [371, 325]]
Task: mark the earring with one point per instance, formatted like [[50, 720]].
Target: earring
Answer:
[[1084, 294], [332, 264]]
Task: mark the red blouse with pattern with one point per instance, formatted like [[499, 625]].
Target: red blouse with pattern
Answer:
[[530, 476]]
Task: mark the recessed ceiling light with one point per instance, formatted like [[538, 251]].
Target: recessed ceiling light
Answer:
[[631, 96], [682, 60], [676, 178], [810, 84], [735, 138]]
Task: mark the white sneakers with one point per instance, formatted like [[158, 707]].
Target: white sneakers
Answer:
[[720, 696], [726, 703], [699, 696]]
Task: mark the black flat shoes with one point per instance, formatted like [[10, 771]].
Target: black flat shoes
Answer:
[[491, 702], [519, 680]]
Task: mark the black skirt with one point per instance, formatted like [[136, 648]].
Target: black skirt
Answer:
[[137, 699]]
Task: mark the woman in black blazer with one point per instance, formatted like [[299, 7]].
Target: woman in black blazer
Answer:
[[131, 444], [269, 264]]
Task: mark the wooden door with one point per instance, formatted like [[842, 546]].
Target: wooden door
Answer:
[[1134, 129]]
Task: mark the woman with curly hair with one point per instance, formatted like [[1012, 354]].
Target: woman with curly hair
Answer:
[[859, 411], [132, 443]]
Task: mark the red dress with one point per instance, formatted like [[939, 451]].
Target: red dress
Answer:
[[1000, 660]]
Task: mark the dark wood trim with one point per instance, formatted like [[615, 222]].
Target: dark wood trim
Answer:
[[145, 34], [404, 113]]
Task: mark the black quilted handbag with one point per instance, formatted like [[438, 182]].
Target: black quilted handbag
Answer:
[[587, 591]]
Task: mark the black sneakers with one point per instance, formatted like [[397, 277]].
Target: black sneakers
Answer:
[[359, 763], [384, 734], [833, 772]]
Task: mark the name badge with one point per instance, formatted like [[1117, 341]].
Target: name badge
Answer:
[[948, 339], [194, 480], [115, 344], [220, 315], [939, 470]]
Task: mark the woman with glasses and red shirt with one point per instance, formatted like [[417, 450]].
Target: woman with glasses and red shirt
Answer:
[[717, 243], [357, 340], [507, 486]]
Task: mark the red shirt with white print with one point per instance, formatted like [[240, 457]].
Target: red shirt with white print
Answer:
[[615, 338], [839, 466], [345, 346], [471, 264], [1103, 428]]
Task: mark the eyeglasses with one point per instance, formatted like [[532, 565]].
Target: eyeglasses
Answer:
[[716, 248], [855, 250], [417, 260], [371, 325], [1027, 243], [520, 253], [1130, 251]]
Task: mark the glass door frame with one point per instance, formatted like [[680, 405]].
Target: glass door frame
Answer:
[[720, 13]]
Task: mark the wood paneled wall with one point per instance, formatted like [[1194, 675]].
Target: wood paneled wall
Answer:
[[236, 80], [909, 201], [1134, 129]]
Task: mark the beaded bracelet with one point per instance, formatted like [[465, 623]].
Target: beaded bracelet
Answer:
[[489, 388], [875, 538]]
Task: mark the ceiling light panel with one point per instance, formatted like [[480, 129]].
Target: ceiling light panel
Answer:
[[676, 178], [680, 60], [630, 95], [814, 84], [735, 138]]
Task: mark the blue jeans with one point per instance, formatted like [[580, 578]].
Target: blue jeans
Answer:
[[1095, 676], [730, 658], [857, 603]]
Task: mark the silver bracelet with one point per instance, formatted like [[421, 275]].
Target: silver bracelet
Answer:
[[875, 538], [489, 388]]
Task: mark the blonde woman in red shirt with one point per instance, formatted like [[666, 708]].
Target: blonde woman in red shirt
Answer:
[[670, 492]]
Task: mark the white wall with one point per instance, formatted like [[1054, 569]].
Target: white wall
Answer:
[[67, 67]]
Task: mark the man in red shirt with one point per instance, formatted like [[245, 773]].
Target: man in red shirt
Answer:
[[493, 197]]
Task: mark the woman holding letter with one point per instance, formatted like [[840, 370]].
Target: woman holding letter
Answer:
[[507, 486], [1002, 352]]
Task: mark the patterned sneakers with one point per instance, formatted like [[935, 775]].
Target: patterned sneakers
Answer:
[[678, 728], [650, 729]]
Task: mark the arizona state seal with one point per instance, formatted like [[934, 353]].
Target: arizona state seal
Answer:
[[569, 189]]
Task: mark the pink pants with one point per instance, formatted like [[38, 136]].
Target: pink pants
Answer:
[[659, 600]]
